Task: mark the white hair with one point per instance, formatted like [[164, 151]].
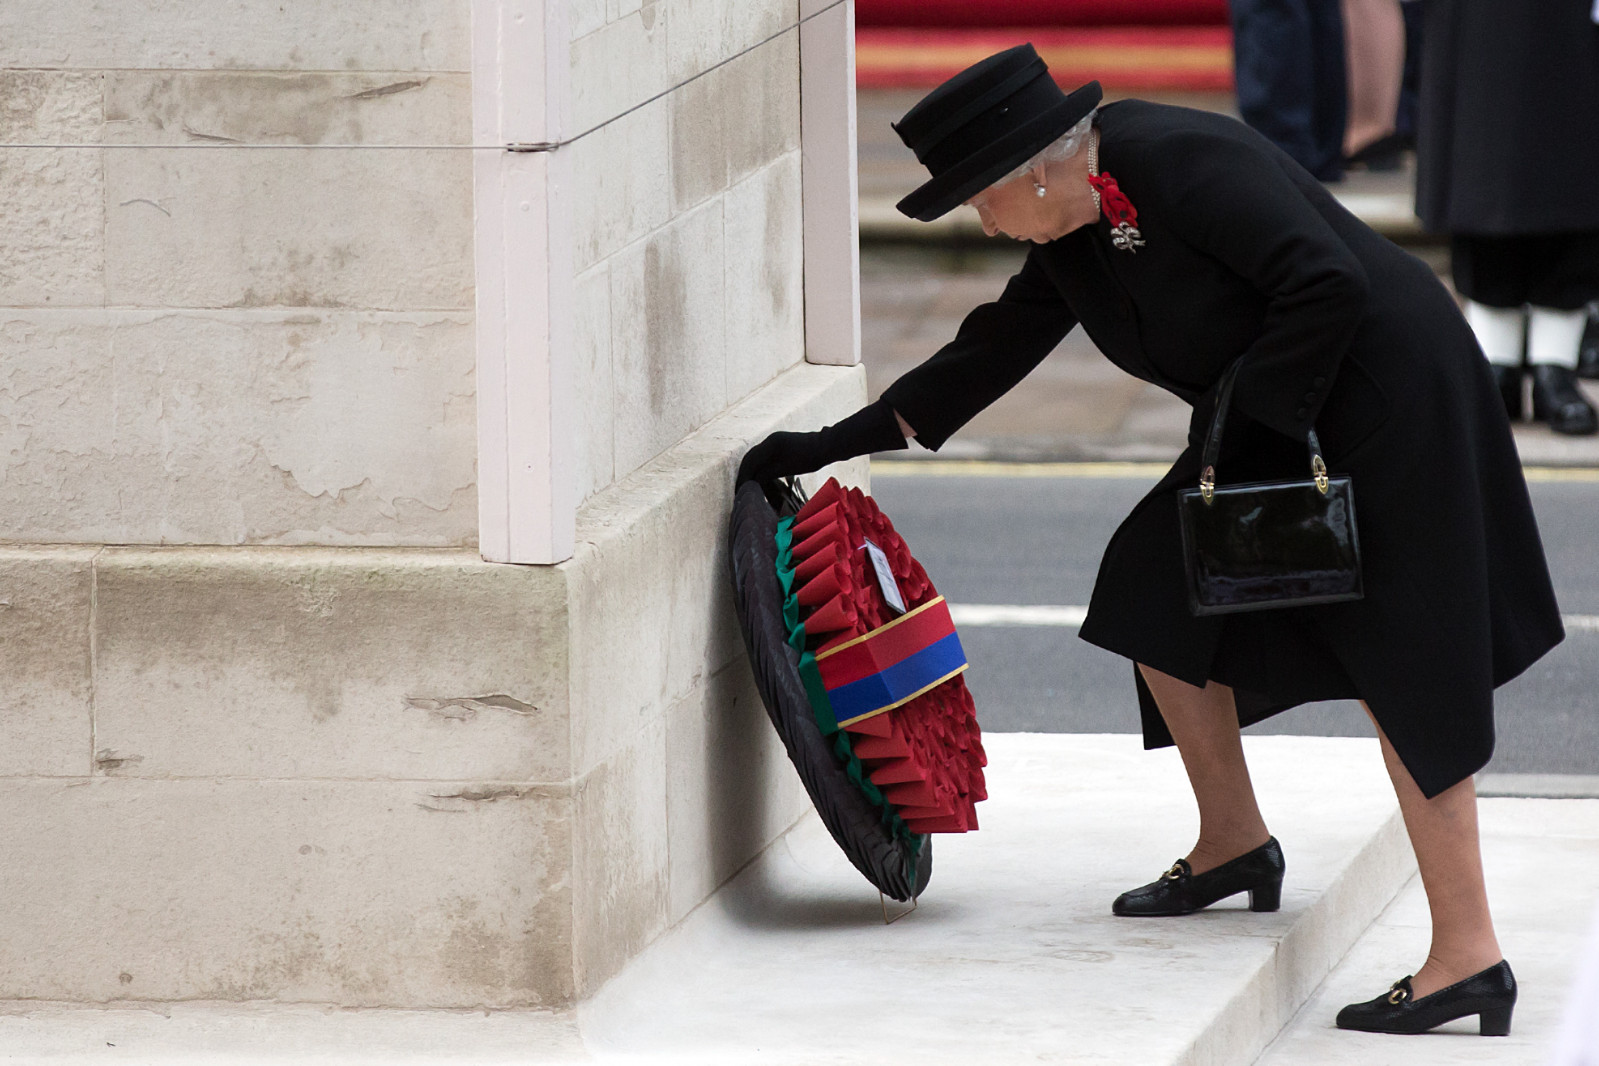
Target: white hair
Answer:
[[1065, 146]]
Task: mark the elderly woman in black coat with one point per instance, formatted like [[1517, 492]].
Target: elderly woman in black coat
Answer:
[[1182, 241]]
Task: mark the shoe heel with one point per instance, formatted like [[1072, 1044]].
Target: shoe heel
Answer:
[[1495, 1022], [1266, 897]]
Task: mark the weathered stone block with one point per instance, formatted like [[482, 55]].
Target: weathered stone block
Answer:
[[390, 35], [735, 120], [619, 857], [256, 107], [264, 663], [376, 894], [620, 186], [765, 247], [237, 427], [591, 333], [52, 241], [730, 787], [707, 32], [667, 298], [45, 727], [583, 17], [619, 66], [388, 230], [50, 106]]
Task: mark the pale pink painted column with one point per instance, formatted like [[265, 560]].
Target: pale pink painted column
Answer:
[[827, 174], [527, 477]]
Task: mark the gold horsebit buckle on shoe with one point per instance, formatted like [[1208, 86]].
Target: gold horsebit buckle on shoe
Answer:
[[1174, 874], [1398, 994]]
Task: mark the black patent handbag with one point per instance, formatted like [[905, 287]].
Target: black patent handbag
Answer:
[[1267, 544]]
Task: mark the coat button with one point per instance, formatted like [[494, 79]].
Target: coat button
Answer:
[[1301, 413], [1310, 397], [1319, 382]]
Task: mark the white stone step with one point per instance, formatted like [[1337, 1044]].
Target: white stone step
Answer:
[[1011, 957], [1541, 858]]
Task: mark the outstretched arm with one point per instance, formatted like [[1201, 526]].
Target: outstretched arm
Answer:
[[997, 345]]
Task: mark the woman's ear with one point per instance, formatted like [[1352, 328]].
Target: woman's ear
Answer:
[[1041, 173]]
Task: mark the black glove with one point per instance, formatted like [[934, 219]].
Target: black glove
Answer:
[[871, 429]]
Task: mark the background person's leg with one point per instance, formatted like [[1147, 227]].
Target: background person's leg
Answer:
[[1204, 725], [1275, 75], [1443, 834], [1374, 35]]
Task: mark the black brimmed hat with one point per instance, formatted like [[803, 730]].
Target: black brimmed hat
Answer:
[[983, 123]]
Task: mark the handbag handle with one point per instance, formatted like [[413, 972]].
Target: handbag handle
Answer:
[[1224, 397]]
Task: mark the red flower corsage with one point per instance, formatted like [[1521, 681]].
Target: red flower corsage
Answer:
[[1120, 211]]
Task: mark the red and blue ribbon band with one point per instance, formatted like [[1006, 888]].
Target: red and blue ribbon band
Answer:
[[893, 664]]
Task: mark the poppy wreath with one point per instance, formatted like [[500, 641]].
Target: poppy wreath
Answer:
[[869, 700]]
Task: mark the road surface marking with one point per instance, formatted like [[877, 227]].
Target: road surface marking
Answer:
[[892, 468], [1071, 616]]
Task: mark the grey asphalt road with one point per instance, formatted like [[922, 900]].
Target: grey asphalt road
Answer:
[[1038, 540]]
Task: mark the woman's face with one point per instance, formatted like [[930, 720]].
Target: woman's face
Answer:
[[1016, 210]]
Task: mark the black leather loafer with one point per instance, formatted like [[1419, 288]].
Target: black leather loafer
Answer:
[[1508, 378], [1181, 891], [1490, 995], [1557, 401]]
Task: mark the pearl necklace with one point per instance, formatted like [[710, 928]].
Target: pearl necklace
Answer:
[[1093, 165]]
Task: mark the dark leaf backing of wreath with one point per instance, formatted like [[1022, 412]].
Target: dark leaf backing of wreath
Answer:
[[855, 822]]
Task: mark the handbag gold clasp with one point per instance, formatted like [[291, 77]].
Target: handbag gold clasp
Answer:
[[1207, 483], [1319, 469]]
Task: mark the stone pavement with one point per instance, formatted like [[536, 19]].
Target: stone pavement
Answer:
[[1012, 955], [1542, 859]]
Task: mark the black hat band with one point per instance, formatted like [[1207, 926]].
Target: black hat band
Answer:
[[925, 143]]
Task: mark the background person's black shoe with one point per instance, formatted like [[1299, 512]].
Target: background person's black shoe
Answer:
[[1557, 401], [1508, 378], [1588, 348], [1181, 891], [1491, 995]]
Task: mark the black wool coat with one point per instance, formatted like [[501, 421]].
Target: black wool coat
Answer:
[[1246, 254], [1508, 140]]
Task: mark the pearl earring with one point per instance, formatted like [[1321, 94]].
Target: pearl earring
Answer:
[[1039, 189]]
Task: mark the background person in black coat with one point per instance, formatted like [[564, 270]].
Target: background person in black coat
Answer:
[[1236, 250], [1508, 166]]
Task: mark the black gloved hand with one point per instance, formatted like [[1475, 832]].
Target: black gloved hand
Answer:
[[871, 429]]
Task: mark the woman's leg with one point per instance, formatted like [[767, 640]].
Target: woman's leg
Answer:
[[1375, 38], [1204, 723], [1443, 832]]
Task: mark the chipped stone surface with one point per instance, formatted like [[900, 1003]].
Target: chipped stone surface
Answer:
[[50, 106], [44, 660], [264, 663], [343, 892], [52, 230], [263, 107], [401, 35], [765, 263], [389, 230], [230, 428]]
